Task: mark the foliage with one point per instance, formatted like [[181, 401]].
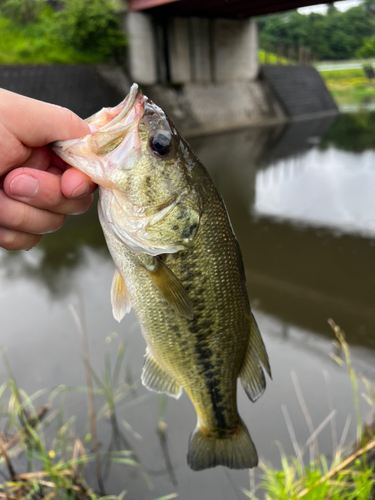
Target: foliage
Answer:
[[352, 132], [83, 32], [270, 58], [337, 35], [35, 44], [91, 25], [367, 49], [21, 11], [350, 478]]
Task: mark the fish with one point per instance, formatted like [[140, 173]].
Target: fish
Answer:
[[179, 265]]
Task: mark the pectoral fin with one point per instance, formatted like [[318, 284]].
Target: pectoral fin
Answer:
[[170, 287], [251, 375], [120, 298], [155, 378]]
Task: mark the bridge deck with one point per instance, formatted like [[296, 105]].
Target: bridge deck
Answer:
[[238, 9]]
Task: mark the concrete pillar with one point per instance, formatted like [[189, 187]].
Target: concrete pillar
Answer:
[[201, 53], [142, 61], [235, 50], [179, 50]]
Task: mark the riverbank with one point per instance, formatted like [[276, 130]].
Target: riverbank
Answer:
[[350, 88]]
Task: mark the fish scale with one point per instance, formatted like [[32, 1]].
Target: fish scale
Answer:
[[179, 266]]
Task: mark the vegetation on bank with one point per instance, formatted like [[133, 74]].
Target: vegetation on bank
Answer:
[[41, 458], [346, 477], [83, 31], [350, 87], [335, 36]]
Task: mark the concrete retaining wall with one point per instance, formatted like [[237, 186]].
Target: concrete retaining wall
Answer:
[[195, 107]]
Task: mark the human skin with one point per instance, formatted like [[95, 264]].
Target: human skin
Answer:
[[37, 189]]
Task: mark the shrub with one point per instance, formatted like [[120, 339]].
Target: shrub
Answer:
[[21, 11], [91, 26], [367, 49]]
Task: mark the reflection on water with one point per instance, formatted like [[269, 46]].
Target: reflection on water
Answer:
[[300, 202], [320, 188]]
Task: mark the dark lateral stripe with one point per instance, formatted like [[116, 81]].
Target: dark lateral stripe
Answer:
[[201, 329]]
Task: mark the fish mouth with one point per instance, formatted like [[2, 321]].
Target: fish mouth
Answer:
[[113, 141], [109, 117]]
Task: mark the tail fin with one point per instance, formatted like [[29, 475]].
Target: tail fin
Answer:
[[236, 451]]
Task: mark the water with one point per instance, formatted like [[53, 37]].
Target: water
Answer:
[[302, 206]]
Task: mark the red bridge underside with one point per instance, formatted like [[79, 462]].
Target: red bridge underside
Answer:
[[237, 9]]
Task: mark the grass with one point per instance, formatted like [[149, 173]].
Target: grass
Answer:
[[51, 461], [346, 477], [349, 87]]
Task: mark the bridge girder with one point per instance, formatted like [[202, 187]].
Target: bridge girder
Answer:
[[235, 9]]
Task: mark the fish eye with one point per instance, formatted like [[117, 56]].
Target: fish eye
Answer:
[[161, 143]]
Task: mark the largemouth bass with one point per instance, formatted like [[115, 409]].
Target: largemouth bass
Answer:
[[180, 267]]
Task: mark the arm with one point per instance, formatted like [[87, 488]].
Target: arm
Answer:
[[37, 189]]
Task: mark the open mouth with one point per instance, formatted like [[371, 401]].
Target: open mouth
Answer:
[[109, 117]]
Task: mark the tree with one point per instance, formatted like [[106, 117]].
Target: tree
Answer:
[[337, 35]]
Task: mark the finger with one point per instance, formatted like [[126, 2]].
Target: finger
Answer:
[[36, 123], [17, 240], [75, 184], [42, 190], [12, 152], [39, 159], [59, 162], [20, 216]]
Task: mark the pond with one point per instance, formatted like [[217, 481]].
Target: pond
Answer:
[[301, 200]]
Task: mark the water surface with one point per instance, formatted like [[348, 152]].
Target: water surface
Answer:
[[301, 200]]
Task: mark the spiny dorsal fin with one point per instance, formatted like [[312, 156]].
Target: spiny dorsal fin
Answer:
[[171, 288], [120, 299], [251, 375], [155, 378]]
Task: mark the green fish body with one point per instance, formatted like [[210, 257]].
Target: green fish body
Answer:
[[180, 267]]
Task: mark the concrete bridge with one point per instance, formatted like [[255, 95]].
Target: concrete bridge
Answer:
[[198, 59]]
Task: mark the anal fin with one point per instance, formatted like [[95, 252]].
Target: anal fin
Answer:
[[155, 378], [251, 375], [120, 298]]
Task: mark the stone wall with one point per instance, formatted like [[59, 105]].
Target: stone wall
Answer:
[[300, 90]]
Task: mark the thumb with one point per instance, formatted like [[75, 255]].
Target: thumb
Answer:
[[36, 123]]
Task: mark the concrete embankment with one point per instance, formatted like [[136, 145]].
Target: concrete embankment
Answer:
[[279, 94]]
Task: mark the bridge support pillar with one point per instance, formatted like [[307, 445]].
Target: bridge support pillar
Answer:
[[141, 54], [191, 50], [235, 50], [179, 50]]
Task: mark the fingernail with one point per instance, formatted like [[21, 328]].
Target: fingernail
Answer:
[[24, 186], [81, 190]]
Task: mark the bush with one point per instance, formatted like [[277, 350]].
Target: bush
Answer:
[[367, 49], [21, 11], [91, 26]]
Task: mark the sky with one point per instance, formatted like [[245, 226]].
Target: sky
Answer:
[[322, 8]]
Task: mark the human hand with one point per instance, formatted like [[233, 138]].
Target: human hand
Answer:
[[37, 189]]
